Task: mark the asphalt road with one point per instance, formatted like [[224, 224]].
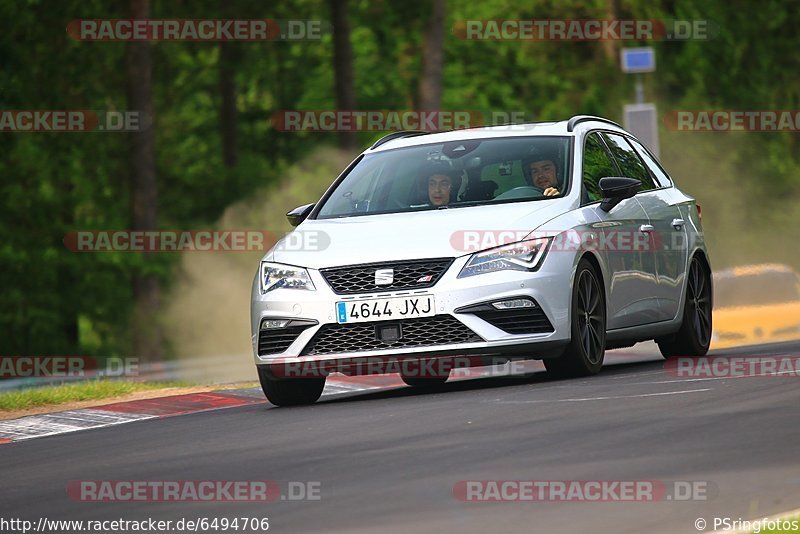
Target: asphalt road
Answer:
[[389, 460]]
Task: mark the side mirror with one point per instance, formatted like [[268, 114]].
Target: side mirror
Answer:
[[298, 215], [615, 189]]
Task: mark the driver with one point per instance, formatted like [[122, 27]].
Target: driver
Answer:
[[541, 172]]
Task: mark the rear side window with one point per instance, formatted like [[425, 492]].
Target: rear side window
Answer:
[[656, 170], [629, 162], [597, 164]]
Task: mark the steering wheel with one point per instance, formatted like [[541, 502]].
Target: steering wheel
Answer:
[[520, 192]]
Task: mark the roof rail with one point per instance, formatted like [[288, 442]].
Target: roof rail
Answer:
[[574, 121], [397, 135]]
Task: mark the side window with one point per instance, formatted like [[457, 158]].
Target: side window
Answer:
[[597, 164], [652, 164], [629, 162]]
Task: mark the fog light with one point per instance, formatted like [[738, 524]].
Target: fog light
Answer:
[[513, 303], [267, 324]]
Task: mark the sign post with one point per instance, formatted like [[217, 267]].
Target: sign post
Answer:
[[641, 118]]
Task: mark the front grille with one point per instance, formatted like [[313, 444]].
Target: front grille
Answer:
[[407, 275], [276, 340], [419, 332], [517, 321]]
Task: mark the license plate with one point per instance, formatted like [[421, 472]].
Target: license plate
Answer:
[[385, 309]]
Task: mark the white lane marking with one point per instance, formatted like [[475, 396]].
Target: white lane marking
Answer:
[[636, 374], [680, 380], [89, 416], [341, 387], [35, 426], [611, 397]]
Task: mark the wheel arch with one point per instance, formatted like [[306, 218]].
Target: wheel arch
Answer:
[[596, 262], [593, 259], [701, 255]]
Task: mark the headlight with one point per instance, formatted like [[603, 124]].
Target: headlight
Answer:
[[522, 256], [276, 275]]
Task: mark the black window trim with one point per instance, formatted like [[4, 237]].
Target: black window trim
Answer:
[[636, 153], [614, 161], [655, 160], [608, 153]]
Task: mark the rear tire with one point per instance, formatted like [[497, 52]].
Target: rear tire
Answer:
[[586, 350], [694, 337], [290, 391]]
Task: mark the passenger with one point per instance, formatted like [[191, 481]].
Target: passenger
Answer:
[[439, 186]]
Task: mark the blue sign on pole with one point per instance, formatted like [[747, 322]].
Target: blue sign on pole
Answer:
[[638, 59]]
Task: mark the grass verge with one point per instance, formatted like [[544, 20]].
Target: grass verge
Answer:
[[79, 391]]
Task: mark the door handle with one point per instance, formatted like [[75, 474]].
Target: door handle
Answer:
[[646, 228], [678, 223]]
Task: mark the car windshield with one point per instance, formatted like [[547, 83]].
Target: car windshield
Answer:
[[451, 175], [756, 289]]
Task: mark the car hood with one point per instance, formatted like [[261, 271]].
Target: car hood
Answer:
[[412, 235]]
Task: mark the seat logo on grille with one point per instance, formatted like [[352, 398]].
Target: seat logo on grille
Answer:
[[384, 277]]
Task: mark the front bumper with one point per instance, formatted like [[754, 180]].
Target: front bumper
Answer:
[[549, 287]]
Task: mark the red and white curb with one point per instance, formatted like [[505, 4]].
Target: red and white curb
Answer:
[[51, 424], [37, 426]]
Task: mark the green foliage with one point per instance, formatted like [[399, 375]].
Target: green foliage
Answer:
[[58, 302]]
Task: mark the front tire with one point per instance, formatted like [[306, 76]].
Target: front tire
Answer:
[[586, 350], [290, 391], [694, 337]]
